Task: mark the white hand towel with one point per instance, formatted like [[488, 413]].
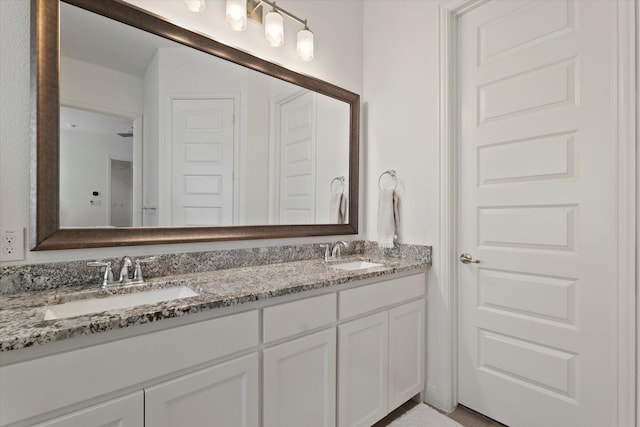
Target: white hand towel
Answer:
[[387, 218], [336, 208]]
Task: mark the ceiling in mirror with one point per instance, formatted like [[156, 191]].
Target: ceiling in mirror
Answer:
[[163, 142]]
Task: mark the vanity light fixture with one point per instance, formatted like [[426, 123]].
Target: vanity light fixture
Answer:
[[239, 10], [305, 44], [236, 14], [274, 28], [194, 5]]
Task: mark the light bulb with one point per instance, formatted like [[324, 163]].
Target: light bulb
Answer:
[[274, 28], [305, 44], [236, 14], [194, 5]]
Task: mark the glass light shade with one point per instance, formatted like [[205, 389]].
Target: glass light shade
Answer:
[[274, 28], [236, 14], [305, 44], [194, 5]]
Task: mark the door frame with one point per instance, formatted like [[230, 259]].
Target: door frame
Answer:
[[445, 396]]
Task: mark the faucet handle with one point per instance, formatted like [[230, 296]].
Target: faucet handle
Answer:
[[137, 273], [107, 278]]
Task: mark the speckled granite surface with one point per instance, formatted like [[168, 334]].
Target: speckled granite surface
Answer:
[[22, 321], [40, 277]]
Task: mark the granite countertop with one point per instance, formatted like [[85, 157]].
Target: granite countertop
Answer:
[[22, 321]]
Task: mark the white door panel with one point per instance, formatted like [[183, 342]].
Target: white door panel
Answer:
[[202, 162], [297, 186], [537, 208]]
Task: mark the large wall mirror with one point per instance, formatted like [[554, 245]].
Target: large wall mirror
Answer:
[[147, 133]]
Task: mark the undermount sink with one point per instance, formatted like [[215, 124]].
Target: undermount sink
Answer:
[[356, 265], [96, 305]]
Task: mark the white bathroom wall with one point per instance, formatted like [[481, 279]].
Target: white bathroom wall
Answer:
[[184, 74], [151, 132], [338, 59], [337, 28], [401, 132], [84, 168], [332, 154], [98, 88], [254, 193], [638, 229]]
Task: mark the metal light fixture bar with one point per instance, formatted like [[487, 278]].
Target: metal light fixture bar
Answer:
[[274, 6], [238, 11]]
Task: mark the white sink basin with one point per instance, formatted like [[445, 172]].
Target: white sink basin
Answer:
[[96, 305], [356, 265]]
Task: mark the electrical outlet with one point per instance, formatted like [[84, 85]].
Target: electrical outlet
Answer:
[[11, 244]]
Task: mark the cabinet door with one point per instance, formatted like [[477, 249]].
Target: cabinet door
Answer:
[[406, 352], [225, 395], [125, 411], [300, 382], [363, 370]]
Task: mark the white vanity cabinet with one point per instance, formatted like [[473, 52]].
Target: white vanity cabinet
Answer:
[[364, 370], [381, 355], [224, 395], [41, 388], [300, 382], [406, 352], [126, 411], [299, 375], [346, 355]]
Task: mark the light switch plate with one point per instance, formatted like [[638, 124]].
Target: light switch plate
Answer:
[[11, 244]]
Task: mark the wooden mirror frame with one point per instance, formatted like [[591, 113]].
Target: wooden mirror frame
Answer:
[[45, 231]]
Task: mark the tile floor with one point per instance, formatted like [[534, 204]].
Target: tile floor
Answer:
[[464, 416]]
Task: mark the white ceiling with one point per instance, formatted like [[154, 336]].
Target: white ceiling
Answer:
[[92, 38], [97, 123]]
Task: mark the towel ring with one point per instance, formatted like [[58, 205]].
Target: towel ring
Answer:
[[340, 179], [392, 174]]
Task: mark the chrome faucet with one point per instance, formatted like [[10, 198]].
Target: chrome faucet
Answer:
[[335, 253], [124, 277]]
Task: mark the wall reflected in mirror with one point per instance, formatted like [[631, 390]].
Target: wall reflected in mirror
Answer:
[[153, 133]]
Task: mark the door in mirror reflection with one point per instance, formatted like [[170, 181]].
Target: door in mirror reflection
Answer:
[[121, 209], [202, 163], [297, 153]]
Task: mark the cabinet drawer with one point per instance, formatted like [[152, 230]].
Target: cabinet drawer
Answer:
[[127, 411], [292, 318], [31, 388], [372, 297]]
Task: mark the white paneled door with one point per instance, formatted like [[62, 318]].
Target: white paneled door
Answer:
[[537, 314], [202, 162], [297, 182]]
